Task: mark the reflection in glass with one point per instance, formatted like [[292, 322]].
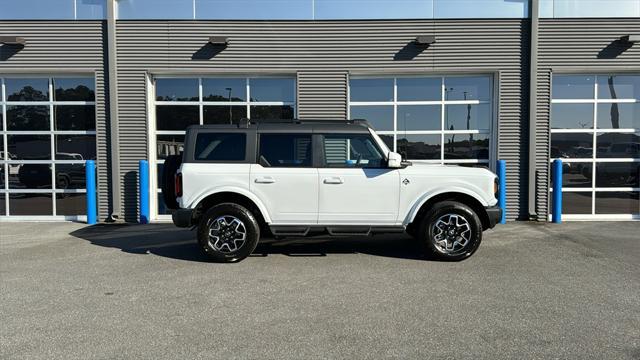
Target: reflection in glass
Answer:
[[155, 9], [419, 147], [70, 176], [467, 117], [254, 9], [224, 114], [171, 117], [169, 145], [419, 89], [466, 146], [75, 147], [619, 87], [618, 116], [30, 204], [71, 204], [617, 202], [459, 9], [379, 9], [576, 174], [37, 10], [259, 112], [468, 88], [571, 145], [612, 145], [32, 176], [571, 116], [371, 89], [75, 117], [224, 89], [573, 86], [28, 117], [285, 150], [272, 89], [159, 173], [31, 89], [3, 207], [419, 117], [177, 90], [575, 202], [74, 89], [380, 117], [623, 174], [91, 9], [29, 147], [596, 8]]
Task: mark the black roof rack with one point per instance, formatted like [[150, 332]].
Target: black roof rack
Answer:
[[244, 122]]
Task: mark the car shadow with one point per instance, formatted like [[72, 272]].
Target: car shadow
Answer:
[[171, 242]]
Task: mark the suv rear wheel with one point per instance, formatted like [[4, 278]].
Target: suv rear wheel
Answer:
[[451, 231], [228, 232]]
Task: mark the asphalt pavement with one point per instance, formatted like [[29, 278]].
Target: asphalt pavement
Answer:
[[532, 291]]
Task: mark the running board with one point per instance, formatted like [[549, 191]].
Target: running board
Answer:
[[337, 230]]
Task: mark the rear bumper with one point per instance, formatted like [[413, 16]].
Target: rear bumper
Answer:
[[182, 218], [494, 213]]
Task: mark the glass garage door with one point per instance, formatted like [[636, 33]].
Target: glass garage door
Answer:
[[47, 132], [595, 130], [430, 119], [180, 102]]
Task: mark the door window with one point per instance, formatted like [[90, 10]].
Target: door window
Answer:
[[358, 151], [285, 150]]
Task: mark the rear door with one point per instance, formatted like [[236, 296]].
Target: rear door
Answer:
[[284, 178], [355, 185]]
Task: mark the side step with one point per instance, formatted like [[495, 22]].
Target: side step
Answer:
[[338, 230], [290, 230]]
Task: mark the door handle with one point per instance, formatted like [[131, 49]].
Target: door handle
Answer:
[[265, 180], [333, 180]]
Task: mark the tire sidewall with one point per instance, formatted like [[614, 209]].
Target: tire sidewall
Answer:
[[451, 207], [229, 209]]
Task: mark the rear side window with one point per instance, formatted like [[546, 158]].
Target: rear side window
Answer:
[[285, 150], [220, 147]]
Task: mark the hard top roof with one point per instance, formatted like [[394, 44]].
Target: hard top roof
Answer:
[[294, 125]]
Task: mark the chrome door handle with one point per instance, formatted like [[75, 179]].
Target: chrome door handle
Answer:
[[265, 180], [333, 180]]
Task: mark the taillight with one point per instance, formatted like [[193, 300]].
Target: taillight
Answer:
[[178, 184]]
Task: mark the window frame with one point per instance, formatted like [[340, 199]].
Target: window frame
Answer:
[[594, 132], [491, 132], [51, 103]]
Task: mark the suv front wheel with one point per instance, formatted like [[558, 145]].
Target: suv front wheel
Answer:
[[228, 232], [451, 230]]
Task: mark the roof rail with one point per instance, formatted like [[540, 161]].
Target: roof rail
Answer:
[[244, 122]]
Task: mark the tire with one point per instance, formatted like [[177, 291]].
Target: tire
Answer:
[[236, 222], [171, 165], [451, 216]]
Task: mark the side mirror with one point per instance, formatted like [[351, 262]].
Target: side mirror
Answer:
[[395, 160]]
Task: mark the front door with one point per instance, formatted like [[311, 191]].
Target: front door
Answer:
[[355, 185], [285, 180]]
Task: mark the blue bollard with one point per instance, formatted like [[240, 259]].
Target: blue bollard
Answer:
[[90, 175], [143, 180], [556, 216], [502, 192]]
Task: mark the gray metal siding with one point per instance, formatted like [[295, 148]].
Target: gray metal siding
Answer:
[[322, 94], [584, 45], [320, 53], [60, 47]]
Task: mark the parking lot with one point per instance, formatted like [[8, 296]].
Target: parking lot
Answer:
[[532, 291]]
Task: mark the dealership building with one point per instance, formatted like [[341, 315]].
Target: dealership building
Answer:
[[464, 82]]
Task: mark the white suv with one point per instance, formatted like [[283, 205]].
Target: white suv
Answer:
[[302, 178]]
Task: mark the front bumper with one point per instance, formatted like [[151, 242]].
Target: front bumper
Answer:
[[182, 218], [494, 214]]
